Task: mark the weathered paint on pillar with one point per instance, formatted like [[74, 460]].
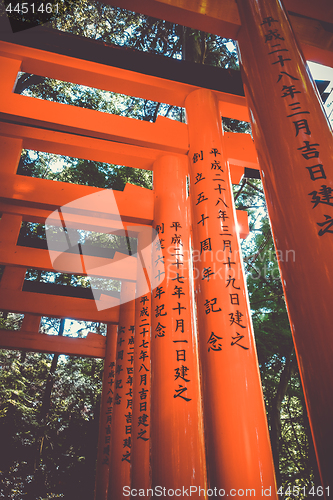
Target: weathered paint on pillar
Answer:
[[10, 226], [295, 149], [13, 278], [237, 441], [177, 449], [104, 435], [142, 373], [10, 68], [31, 323], [120, 452]]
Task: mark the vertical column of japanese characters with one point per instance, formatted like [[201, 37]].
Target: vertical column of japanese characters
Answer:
[[237, 442], [141, 479], [177, 456], [104, 437], [295, 148], [121, 442]]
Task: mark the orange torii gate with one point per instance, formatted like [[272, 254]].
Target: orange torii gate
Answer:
[[190, 380]]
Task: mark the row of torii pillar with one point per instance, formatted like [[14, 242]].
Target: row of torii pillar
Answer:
[[182, 403], [224, 443]]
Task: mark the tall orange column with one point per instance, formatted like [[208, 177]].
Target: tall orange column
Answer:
[[13, 276], [121, 440], [142, 373], [177, 448], [237, 441], [295, 149], [31, 322], [13, 279], [10, 226], [11, 150], [105, 420]]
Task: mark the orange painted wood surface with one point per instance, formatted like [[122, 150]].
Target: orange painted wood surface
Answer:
[[236, 433], [121, 426], [101, 224], [11, 148], [13, 278], [141, 417], [122, 267], [110, 78], [92, 346], [77, 146], [295, 148], [164, 134], [57, 306], [106, 408], [242, 223], [31, 323], [10, 226], [177, 437], [50, 195], [240, 149]]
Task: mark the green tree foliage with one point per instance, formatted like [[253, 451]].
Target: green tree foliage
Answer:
[[55, 455]]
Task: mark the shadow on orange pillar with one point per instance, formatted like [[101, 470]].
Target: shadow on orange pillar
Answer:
[[121, 441], [142, 374], [177, 448], [11, 149], [237, 441], [295, 149], [104, 436]]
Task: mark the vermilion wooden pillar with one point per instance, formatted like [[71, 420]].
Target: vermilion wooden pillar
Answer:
[[10, 226], [177, 448], [13, 276], [237, 441], [121, 440], [104, 437], [142, 373], [13, 279], [295, 149], [31, 322], [11, 150]]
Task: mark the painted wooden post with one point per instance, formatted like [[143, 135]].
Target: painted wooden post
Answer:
[[237, 441], [11, 149], [120, 452], [295, 149], [177, 448], [10, 67], [31, 323], [10, 226], [104, 436], [13, 276], [141, 477]]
